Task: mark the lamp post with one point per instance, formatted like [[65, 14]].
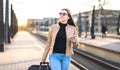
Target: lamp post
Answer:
[[86, 28], [80, 24], [7, 34], [118, 25], [101, 4], [106, 23], [12, 22], [92, 26], [1, 27], [99, 13]]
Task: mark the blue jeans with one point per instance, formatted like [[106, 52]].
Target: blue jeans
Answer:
[[59, 61]]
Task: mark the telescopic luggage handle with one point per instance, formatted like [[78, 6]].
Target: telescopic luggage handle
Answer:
[[44, 65]]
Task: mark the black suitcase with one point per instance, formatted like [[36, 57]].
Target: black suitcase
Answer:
[[42, 66]]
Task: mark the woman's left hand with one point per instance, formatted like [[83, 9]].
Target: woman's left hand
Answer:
[[73, 39]]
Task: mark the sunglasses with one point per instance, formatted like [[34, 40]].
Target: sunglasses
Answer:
[[64, 14]]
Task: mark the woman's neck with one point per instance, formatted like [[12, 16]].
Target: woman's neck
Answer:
[[64, 22]]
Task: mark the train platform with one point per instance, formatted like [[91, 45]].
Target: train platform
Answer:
[[107, 43], [24, 51], [105, 48]]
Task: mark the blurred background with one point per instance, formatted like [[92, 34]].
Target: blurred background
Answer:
[[95, 19]]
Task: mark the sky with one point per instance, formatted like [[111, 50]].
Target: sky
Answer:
[[38, 9]]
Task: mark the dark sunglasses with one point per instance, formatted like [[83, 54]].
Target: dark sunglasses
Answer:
[[64, 14]]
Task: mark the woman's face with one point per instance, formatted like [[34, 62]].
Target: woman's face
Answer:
[[63, 16]]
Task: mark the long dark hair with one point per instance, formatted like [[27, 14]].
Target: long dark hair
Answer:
[[70, 20]]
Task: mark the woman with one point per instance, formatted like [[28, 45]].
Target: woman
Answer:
[[104, 30], [61, 38]]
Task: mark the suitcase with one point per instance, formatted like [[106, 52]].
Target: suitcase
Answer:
[[42, 66]]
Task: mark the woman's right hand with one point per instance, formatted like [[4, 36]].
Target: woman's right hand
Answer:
[[43, 60]]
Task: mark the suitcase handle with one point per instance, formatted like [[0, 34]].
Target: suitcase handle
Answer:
[[44, 63]]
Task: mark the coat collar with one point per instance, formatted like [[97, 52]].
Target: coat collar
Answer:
[[59, 26]]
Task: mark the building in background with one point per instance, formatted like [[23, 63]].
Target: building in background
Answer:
[[40, 24], [107, 18]]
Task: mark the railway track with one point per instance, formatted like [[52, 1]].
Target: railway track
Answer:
[[92, 62], [83, 60]]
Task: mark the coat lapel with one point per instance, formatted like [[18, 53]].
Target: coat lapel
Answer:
[[56, 31]]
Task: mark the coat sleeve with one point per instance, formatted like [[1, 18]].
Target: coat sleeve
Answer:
[[75, 44], [47, 48]]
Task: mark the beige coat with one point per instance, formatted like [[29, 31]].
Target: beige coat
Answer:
[[70, 31]]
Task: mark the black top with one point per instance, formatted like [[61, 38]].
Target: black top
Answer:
[[60, 41]]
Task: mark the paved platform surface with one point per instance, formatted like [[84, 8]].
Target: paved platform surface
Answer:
[[24, 51], [106, 43], [111, 44]]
